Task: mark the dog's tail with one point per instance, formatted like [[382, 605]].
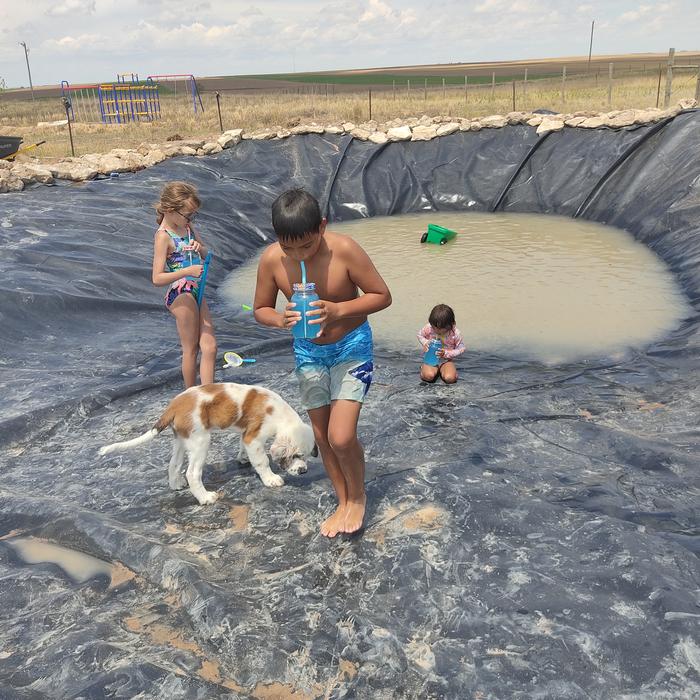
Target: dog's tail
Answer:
[[161, 424]]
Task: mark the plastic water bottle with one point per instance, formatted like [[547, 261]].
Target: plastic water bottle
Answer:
[[303, 295], [431, 357]]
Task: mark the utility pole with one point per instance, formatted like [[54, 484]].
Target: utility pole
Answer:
[[590, 48], [26, 56]]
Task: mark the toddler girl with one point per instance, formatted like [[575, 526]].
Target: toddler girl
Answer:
[[441, 328]]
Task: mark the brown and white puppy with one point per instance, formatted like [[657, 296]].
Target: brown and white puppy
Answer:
[[256, 413]]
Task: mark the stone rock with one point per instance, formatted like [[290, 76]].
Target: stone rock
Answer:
[[264, 135], [645, 116], [348, 126], [360, 134], [425, 120], [188, 151], [447, 129], [475, 125], [621, 119], [211, 148], [200, 152], [689, 103], [370, 126], [153, 157], [515, 117], [5, 165], [535, 121], [335, 130], [550, 125], [378, 137], [78, 172], [32, 172], [308, 129], [283, 133], [227, 140], [9, 182], [575, 121], [424, 133], [399, 133], [57, 124], [495, 121], [592, 123]]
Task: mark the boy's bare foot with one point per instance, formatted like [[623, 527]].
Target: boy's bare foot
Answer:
[[355, 515], [330, 527]]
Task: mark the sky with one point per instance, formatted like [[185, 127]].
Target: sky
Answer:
[[93, 40]]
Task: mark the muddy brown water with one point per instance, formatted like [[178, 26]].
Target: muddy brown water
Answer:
[[547, 288]]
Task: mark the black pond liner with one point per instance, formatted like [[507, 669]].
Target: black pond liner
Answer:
[[531, 531]]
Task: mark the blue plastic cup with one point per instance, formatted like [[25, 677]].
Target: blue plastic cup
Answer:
[[431, 357]]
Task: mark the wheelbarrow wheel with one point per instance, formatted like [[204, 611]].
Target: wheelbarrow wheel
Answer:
[[443, 241], [424, 237]]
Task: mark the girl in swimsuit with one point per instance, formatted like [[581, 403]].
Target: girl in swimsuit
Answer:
[[177, 263]]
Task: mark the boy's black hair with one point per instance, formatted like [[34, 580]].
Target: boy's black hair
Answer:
[[442, 316], [295, 214]]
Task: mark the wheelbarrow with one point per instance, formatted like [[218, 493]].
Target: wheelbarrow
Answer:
[[439, 235]]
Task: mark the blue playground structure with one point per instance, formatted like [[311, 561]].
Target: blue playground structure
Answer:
[[113, 103]]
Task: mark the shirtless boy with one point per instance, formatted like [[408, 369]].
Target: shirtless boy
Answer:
[[334, 369]]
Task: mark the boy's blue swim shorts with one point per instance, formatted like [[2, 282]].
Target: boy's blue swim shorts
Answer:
[[340, 370]]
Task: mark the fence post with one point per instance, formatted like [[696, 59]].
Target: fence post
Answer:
[[370, 104], [669, 77], [408, 87], [218, 109], [425, 89], [610, 79], [393, 89], [493, 84], [525, 84], [465, 89], [658, 87], [697, 86], [563, 85], [67, 106], [444, 94]]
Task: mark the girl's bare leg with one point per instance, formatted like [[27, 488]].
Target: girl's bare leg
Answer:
[[184, 309], [207, 345], [319, 420], [429, 373], [342, 436], [448, 372]]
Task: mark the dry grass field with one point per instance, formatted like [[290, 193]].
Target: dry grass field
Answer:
[[279, 101]]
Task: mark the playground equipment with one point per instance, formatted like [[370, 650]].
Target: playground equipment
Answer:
[[113, 103], [437, 234], [190, 86]]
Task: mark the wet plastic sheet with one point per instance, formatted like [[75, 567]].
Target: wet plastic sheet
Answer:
[[531, 531]]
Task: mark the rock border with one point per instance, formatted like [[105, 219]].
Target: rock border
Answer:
[[25, 171]]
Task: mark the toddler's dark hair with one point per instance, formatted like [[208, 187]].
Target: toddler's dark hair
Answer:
[[442, 316], [295, 214]]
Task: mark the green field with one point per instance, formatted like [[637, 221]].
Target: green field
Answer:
[[386, 78]]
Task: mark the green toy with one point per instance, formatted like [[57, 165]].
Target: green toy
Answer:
[[437, 234]]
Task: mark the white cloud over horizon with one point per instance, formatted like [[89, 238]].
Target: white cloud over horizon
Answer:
[[92, 40]]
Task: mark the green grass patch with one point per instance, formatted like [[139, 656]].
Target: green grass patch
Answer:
[[387, 79]]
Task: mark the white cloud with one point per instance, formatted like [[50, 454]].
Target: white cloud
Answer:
[[71, 7]]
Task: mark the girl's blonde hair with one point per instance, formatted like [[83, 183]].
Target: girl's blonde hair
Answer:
[[174, 196]]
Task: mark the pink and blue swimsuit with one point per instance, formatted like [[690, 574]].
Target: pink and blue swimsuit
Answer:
[[180, 258], [452, 343]]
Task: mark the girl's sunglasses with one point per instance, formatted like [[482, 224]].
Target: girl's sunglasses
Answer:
[[188, 217]]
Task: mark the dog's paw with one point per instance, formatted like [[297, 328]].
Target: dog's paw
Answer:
[[208, 498], [273, 480], [242, 459]]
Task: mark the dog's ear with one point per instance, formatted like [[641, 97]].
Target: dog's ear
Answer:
[[282, 448]]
